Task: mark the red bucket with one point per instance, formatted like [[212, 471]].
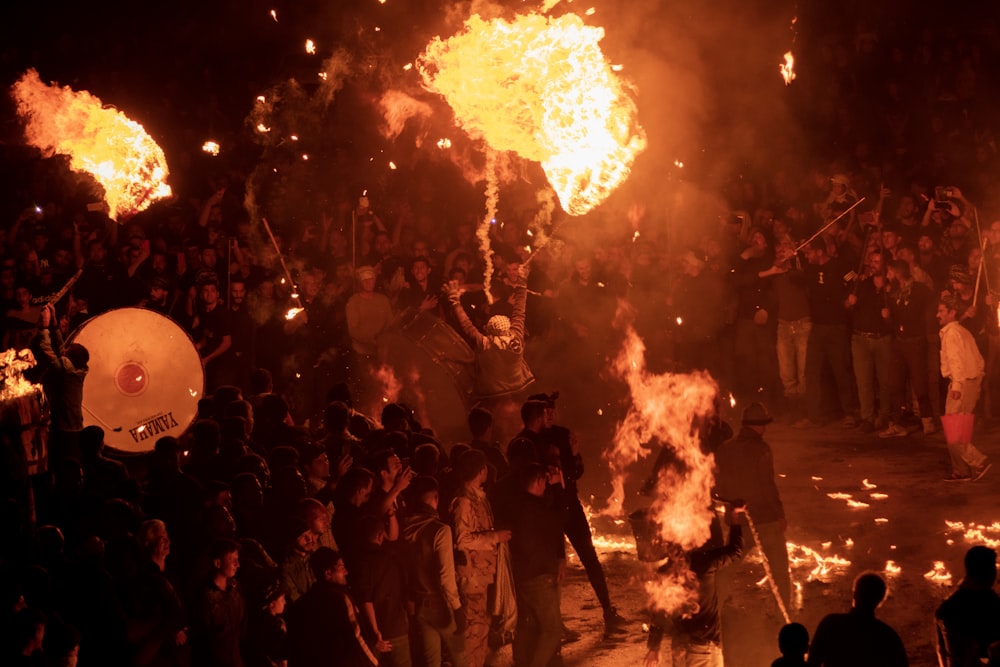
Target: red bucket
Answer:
[[957, 428]]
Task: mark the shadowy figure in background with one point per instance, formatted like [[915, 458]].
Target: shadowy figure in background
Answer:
[[793, 642], [857, 638], [968, 622]]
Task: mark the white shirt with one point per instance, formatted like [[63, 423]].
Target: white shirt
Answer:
[[960, 358]]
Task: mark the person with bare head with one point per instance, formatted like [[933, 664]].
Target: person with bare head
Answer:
[[964, 367], [871, 342], [857, 638], [968, 622], [218, 624], [829, 338]]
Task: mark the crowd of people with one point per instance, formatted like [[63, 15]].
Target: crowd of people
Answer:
[[848, 295]]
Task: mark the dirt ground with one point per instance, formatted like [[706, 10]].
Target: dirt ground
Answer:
[[905, 520]]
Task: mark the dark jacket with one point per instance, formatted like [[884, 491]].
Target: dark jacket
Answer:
[[855, 639], [63, 384], [218, 627], [430, 554], [537, 545], [323, 630], [967, 623], [746, 470]]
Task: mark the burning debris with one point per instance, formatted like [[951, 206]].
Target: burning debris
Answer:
[[816, 566], [100, 141], [13, 363], [977, 533], [939, 574], [787, 68]]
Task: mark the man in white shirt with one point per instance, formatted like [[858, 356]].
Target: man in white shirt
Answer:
[[963, 365]]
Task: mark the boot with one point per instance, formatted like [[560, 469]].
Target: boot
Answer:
[[929, 426]]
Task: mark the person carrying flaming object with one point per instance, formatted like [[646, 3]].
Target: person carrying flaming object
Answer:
[[695, 630], [501, 368]]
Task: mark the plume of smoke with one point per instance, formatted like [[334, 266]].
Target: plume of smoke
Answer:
[[397, 108]]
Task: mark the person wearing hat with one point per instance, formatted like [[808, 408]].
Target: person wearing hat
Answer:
[[746, 470], [501, 368], [964, 367], [369, 314]]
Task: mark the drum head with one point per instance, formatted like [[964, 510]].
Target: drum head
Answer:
[[145, 377]]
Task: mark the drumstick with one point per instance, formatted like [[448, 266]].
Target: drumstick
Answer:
[[116, 429], [281, 259]]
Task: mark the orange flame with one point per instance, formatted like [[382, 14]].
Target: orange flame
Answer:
[[664, 408], [540, 87], [13, 363], [101, 141], [787, 68]]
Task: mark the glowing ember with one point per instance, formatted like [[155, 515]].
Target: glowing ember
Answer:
[[274, 15], [892, 569], [211, 147], [787, 68], [816, 479], [823, 568], [310, 47], [444, 143], [978, 533], [939, 574], [878, 496], [540, 87], [881, 519], [263, 129], [868, 485], [292, 312], [732, 400], [857, 504], [13, 363], [101, 141]]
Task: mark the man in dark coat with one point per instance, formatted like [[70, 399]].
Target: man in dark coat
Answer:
[[857, 638], [968, 622], [323, 626]]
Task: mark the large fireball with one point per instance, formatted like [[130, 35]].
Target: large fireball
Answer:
[[541, 87], [101, 141]]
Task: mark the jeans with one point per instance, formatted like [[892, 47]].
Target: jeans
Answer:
[[965, 457], [910, 362], [829, 344], [755, 353], [793, 336], [399, 656], [871, 357], [435, 627], [695, 655], [539, 622], [577, 529]]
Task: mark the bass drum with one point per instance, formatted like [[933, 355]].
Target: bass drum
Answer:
[[145, 378], [433, 366]]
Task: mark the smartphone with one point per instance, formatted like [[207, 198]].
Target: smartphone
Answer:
[[941, 194]]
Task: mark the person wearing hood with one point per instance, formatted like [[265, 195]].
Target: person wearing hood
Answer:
[[501, 368], [430, 553]]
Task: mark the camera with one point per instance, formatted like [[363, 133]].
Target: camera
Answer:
[[943, 195]]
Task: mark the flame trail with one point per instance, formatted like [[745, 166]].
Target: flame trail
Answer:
[[483, 231], [540, 87], [101, 141], [664, 408], [787, 68]]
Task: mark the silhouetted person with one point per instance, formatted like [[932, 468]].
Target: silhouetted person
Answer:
[[857, 638], [968, 622], [793, 642]]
